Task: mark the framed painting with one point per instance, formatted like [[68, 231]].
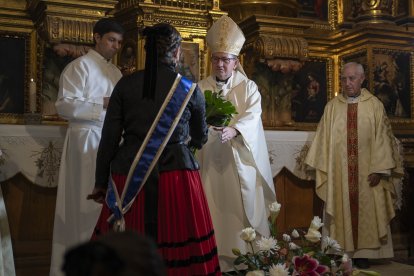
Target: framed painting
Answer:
[[392, 82], [314, 8], [294, 94], [128, 57], [53, 60], [14, 76], [312, 84], [189, 65]]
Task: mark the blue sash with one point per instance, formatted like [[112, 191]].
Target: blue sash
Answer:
[[150, 150]]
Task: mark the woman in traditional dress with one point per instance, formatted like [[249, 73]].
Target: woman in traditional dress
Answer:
[[164, 199]]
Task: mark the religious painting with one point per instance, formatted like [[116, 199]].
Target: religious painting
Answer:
[[392, 82], [14, 75], [293, 92], [314, 8], [128, 58], [55, 58], [403, 8], [311, 93], [189, 65]]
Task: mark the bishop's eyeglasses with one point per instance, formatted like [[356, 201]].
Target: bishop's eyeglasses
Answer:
[[225, 60]]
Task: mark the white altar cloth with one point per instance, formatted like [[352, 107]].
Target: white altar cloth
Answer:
[[288, 149], [34, 151]]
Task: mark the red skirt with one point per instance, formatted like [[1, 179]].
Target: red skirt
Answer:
[[185, 232]]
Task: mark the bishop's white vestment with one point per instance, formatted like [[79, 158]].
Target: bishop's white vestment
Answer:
[[236, 175], [83, 85]]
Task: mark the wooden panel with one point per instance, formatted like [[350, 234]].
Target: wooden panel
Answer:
[[30, 210], [299, 202]]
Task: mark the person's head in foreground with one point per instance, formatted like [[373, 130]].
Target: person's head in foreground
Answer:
[[116, 253]]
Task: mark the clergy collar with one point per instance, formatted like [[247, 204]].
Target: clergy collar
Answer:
[[223, 81], [98, 55], [353, 99]]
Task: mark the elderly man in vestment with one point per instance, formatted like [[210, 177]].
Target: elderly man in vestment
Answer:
[[84, 89], [234, 163], [358, 166]]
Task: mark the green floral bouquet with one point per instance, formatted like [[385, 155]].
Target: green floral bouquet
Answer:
[[219, 111], [297, 254]]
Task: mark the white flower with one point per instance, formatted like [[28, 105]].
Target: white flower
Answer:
[[274, 210], [313, 235], [255, 273], [293, 246], [286, 237], [295, 234], [248, 234], [316, 223], [345, 258], [267, 244], [278, 270], [327, 242], [275, 207]]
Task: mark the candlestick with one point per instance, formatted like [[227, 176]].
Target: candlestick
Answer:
[[32, 95]]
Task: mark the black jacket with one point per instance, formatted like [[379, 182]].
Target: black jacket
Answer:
[[130, 116]]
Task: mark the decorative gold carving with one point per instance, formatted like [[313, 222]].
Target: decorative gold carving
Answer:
[[191, 23], [202, 5], [270, 46], [374, 11], [240, 9], [72, 21], [74, 30]]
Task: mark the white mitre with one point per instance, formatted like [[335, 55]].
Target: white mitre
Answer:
[[226, 36]]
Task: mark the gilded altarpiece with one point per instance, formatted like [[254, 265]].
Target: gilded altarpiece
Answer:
[[191, 18]]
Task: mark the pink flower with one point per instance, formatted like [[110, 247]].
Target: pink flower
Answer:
[[307, 266], [346, 266]]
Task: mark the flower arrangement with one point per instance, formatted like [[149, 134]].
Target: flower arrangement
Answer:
[[218, 110], [297, 253]]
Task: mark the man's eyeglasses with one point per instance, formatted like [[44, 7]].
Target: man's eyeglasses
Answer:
[[225, 60]]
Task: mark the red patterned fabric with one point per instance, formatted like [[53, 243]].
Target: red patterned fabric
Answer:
[[185, 231], [352, 137]]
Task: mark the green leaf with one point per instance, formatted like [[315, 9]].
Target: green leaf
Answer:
[[219, 111]]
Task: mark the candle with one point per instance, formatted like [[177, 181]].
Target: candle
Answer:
[[32, 95]]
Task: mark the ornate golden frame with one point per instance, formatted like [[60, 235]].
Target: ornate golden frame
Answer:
[[329, 67], [19, 118]]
